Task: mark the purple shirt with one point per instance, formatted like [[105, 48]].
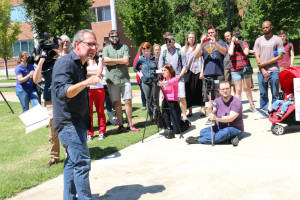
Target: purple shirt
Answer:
[[19, 70], [223, 109]]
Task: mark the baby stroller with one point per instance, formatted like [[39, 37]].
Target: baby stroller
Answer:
[[287, 85]]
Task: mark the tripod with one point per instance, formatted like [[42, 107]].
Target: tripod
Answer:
[[156, 107], [7, 103]]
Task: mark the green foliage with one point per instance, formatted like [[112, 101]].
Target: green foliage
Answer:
[[284, 14], [145, 20], [59, 16], [198, 15], [9, 30]]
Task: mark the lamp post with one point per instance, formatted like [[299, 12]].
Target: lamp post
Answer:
[[228, 16]]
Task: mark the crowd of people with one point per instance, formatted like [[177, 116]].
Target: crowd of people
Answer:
[[194, 75]]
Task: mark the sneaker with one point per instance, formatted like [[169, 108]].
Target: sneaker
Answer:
[[280, 115], [270, 110], [89, 138], [192, 140], [144, 108], [120, 129], [208, 122], [101, 136], [132, 128], [252, 108], [266, 112], [260, 116], [235, 141]]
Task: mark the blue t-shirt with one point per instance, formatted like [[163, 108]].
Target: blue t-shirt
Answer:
[[213, 59], [22, 70]]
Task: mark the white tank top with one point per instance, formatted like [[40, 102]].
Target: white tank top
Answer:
[[92, 67]]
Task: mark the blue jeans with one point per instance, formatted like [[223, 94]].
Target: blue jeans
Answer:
[[25, 96], [171, 114], [77, 163], [142, 95], [219, 135], [263, 89], [284, 107]]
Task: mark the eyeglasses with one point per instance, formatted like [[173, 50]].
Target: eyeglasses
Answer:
[[168, 42], [225, 89], [114, 37], [146, 48], [91, 45]]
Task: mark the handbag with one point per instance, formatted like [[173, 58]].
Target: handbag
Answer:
[[247, 70]]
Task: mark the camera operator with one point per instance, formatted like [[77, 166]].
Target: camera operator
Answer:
[[148, 65], [213, 52], [44, 70]]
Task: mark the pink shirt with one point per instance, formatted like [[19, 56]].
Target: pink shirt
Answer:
[[171, 90]]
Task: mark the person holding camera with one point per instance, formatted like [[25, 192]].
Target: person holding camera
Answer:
[[227, 112], [238, 51], [148, 65], [268, 51], [170, 108], [177, 59], [25, 89], [44, 70], [213, 52]]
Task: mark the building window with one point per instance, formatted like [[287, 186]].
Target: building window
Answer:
[[18, 14], [24, 45], [101, 14]]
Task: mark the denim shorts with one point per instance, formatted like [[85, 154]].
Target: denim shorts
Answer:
[[239, 75]]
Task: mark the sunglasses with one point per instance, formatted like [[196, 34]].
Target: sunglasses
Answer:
[[146, 48], [168, 42], [114, 37]]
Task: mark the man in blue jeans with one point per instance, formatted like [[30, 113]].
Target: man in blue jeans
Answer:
[[71, 115], [268, 51], [227, 114]]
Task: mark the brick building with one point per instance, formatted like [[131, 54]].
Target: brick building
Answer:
[[104, 22]]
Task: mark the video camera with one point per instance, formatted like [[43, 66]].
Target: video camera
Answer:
[[209, 84], [44, 46], [238, 36]]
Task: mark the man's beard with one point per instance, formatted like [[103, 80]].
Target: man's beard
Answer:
[[115, 43]]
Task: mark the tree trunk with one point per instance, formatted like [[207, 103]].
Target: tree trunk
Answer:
[[6, 68]]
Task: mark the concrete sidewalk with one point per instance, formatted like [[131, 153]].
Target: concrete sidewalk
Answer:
[[262, 167]]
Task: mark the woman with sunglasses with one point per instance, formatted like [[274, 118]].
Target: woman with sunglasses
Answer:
[[170, 87], [148, 66], [138, 78]]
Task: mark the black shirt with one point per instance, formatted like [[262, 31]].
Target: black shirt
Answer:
[[67, 71]]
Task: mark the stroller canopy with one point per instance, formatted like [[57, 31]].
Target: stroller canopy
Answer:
[[286, 78]]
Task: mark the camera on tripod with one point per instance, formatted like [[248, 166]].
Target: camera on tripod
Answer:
[[44, 46], [209, 84]]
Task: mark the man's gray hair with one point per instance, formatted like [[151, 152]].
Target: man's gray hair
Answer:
[[79, 35]]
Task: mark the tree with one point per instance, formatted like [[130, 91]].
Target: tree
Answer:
[[284, 14], [9, 30], [59, 16], [197, 15], [145, 20]]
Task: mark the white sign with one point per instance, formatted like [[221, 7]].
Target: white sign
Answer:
[[35, 118], [297, 98]]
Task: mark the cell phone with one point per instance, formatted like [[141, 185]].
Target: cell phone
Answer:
[[206, 39]]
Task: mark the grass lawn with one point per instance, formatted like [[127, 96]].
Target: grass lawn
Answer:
[[22, 156]]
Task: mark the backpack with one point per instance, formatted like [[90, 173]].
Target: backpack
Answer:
[[179, 57]]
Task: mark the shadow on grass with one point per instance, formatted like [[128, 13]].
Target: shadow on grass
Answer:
[[132, 192], [97, 152]]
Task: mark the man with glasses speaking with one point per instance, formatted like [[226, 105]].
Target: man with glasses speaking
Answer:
[[116, 59], [227, 114]]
